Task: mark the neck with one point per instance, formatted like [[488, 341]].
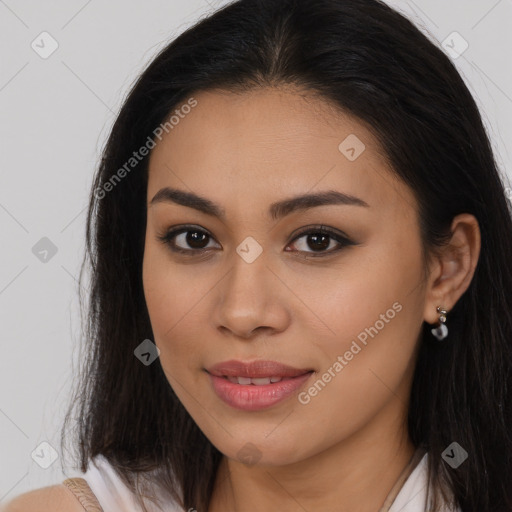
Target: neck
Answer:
[[356, 474]]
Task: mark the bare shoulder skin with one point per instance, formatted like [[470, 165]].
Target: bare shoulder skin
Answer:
[[54, 498]]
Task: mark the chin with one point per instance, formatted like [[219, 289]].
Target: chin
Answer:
[[260, 451]]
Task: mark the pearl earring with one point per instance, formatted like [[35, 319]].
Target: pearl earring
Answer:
[[440, 331]]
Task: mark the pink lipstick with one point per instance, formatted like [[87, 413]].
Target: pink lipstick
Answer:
[[256, 385]]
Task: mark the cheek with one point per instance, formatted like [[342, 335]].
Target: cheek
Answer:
[[173, 297], [377, 294], [374, 315]]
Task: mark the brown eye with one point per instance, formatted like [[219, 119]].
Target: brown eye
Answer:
[[318, 240], [196, 239], [186, 239]]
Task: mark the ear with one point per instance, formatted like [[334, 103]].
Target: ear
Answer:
[[453, 267]]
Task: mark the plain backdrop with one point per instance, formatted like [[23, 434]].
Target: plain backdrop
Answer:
[[56, 111]]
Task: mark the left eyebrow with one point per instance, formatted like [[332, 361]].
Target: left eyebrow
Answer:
[[276, 210], [306, 201]]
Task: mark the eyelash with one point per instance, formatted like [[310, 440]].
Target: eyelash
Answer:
[[168, 238]]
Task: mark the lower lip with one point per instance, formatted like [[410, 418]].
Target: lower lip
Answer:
[[250, 397]]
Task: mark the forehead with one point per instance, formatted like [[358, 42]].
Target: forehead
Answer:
[[268, 143]]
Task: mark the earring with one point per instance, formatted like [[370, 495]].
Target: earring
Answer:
[[440, 331]]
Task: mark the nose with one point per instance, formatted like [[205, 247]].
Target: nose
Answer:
[[251, 299]]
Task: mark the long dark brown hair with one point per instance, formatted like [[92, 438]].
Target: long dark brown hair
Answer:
[[369, 61]]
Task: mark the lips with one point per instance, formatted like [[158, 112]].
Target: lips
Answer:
[[257, 385], [259, 372]]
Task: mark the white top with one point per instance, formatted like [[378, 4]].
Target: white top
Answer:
[[113, 495], [413, 494], [111, 492]]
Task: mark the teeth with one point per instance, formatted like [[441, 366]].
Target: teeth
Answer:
[[256, 382], [261, 381]]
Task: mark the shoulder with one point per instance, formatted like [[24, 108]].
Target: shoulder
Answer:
[[54, 498]]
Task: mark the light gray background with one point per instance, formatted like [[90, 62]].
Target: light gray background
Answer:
[[55, 115]]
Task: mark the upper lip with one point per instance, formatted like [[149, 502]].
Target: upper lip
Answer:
[[255, 369]]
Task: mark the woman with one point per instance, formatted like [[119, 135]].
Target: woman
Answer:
[[300, 297]]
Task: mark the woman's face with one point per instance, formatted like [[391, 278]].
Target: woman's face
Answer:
[[250, 286]]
